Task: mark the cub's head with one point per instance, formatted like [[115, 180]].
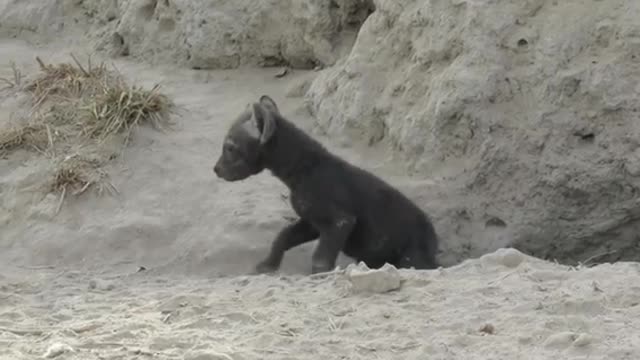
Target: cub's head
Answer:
[[242, 148]]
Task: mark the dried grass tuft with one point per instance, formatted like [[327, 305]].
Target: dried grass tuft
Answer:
[[120, 109], [76, 174], [17, 78], [33, 136], [69, 81], [77, 110], [96, 102]]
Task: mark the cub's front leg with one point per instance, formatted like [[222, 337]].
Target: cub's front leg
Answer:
[[292, 235]]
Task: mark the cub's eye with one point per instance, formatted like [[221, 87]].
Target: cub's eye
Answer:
[[230, 149]]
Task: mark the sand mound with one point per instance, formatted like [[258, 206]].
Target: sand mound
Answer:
[[504, 305]]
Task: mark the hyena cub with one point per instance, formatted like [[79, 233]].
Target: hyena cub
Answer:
[[346, 207]]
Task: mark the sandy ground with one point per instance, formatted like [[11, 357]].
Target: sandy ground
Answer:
[[71, 281], [480, 309]]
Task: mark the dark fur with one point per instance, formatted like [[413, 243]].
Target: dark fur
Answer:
[[348, 208]]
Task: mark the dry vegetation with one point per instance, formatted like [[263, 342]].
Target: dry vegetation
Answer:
[[82, 117]]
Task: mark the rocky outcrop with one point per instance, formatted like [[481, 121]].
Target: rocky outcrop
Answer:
[[527, 111], [20, 17], [211, 34]]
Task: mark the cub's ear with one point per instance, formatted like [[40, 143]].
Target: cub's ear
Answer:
[[264, 121], [268, 103]]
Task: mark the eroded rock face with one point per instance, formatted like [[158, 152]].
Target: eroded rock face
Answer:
[[206, 34], [18, 17], [526, 111]]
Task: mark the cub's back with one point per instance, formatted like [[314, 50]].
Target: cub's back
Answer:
[[378, 200]]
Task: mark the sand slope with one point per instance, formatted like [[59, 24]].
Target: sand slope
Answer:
[[70, 281], [171, 210]]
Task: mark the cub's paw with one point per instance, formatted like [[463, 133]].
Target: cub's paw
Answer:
[[321, 267], [265, 267]]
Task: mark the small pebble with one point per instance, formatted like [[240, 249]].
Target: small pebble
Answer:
[[488, 329], [101, 285], [57, 349], [512, 257], [207, 355], [507, 257], [582, 340], [382, 280], [560, 340]]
